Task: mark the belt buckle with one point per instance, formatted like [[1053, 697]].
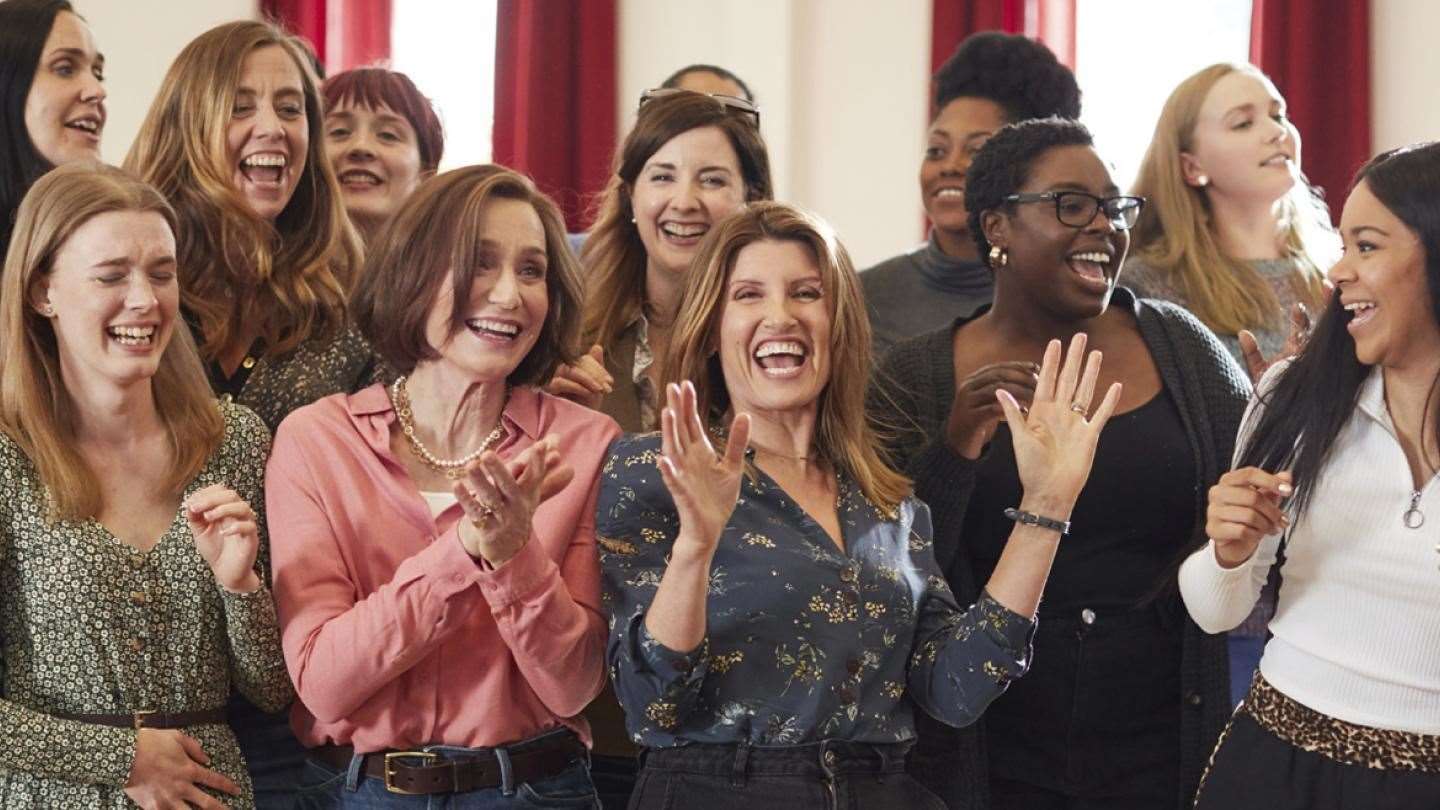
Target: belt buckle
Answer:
[[390, 769], [140, 717]]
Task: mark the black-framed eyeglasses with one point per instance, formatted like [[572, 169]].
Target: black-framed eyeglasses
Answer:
[[748, 110], [1078, 208]]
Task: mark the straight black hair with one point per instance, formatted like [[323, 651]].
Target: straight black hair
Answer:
[[1316, 395], [24, 27]]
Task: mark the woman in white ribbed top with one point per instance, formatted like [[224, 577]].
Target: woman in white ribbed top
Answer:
[[1336, 475]]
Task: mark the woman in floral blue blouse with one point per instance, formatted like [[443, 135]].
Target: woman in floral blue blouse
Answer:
[[776, 609]]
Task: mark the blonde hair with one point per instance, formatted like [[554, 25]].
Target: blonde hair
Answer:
[[613, 256], [844, 436], [1175, 236], [36, 411], [295, 273]]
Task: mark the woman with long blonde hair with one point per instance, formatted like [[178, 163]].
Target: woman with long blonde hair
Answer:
[[132, 589], [234, 140], [777, 613], [1232, 230]]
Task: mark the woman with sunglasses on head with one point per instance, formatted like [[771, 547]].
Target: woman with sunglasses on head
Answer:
[[132, 558], [1337, 477], [234, 139], [1234, 234], [52, 97], [991, 80], [1126, 696], [777, 615]]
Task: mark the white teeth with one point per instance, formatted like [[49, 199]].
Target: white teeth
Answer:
[[359, 176], [683, 230], [950, 192], [86, 124], [132, 331], [1360, 306], [494, 326], [265, 160], [1094, 256], [780, 347]]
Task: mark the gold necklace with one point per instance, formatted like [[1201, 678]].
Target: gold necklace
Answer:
[[452, 468]]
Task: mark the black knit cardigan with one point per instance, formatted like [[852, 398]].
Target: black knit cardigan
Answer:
[[911, 397]]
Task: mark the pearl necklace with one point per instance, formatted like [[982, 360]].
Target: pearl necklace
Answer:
[[452, 468]]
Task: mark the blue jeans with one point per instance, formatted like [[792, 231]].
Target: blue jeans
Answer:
[[324, 788]]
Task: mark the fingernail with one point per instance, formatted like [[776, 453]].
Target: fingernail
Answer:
[[1286, 489]]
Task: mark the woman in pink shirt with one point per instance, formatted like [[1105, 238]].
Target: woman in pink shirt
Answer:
[[435, 563]]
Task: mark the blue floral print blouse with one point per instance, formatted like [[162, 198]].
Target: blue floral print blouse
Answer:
[[805, 641]]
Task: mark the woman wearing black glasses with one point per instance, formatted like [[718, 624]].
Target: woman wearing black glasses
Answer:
[[1126, 695]]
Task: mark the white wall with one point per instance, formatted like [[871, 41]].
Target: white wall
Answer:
[[842, 89], [140, 38], [1404, 63]]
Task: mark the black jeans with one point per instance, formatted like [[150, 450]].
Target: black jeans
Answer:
[[829, 775]]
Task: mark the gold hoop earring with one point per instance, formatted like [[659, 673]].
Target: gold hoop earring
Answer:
[[999, 257]]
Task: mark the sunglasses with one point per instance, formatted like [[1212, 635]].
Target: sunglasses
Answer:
[[745, 109]]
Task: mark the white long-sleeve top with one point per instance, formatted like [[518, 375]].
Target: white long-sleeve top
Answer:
[[1356, 632]]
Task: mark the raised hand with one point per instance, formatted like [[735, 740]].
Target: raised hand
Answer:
[[703, 483], [168, 771], [1244, 508], [1055, 441], [585, 382], [499, 503], [226, 536], [1256, 363], [976, 412]]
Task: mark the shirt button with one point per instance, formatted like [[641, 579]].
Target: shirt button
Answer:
[[1194, 699], [248, 362], [850, 597], [853, 666], [829, 759], [847, 574], [136, 645], [1087, 616], [847, 696], [139, 597]]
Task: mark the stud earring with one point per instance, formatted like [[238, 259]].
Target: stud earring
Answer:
[[1202, 181], [49, 311], [999, 257]]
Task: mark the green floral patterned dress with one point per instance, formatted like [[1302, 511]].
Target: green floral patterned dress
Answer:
[[90, 625]]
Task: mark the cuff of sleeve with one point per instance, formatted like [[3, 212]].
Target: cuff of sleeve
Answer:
[[257, 606], [1210, 565], [522, 576], [1009, 629], [446, 565], [688, 668]]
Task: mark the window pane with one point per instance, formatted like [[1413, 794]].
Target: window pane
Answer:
[[447, 47]]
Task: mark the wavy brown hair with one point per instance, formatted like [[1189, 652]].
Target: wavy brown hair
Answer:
[[1174, 235], [613, 255], [844, 435], [36, 411], [295, 273], [437, 230]]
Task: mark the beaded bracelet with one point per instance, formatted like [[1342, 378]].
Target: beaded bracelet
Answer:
[[1031, 519]]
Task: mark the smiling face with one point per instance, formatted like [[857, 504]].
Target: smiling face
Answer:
[[112, 298], [956, 135], [268, 135], [508, 298], [1243, 144], [1381, 283], [683, 190], [774, 335], [65, 109], [1069, 271], [376, 158]]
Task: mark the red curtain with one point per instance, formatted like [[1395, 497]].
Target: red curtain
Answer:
[[555, 96], [1050, 21], [1318, 54], [344, 33]]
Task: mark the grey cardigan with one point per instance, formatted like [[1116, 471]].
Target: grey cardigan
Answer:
[[912, 395]]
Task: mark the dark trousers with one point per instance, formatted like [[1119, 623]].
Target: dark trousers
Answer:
[[821, 776], [273, 756], [1254, 768]]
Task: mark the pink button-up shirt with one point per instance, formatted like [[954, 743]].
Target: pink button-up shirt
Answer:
[[394, 636]]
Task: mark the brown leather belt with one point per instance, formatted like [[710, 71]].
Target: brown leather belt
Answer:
[[426, 772], [148, 719]]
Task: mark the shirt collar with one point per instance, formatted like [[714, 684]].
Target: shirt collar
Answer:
[[1371, 398], [521, 414]]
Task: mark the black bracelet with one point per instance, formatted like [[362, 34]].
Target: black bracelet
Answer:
[[1031, 519]]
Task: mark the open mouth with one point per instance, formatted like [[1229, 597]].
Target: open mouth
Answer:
[[1361, 313], [1280, 159], [1091, 266], [90, 125], [955, 193], [132, 336], [264, 168], [359, 178], [781, 358], [494, 330], [684, 233]]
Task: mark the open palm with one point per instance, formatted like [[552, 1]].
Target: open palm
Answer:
[[704, 484]]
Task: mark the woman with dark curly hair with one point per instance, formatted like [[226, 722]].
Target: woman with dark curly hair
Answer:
[[991, 80], [1125, 696]]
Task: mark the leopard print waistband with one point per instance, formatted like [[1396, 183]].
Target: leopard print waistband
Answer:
[[1346, 743]]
